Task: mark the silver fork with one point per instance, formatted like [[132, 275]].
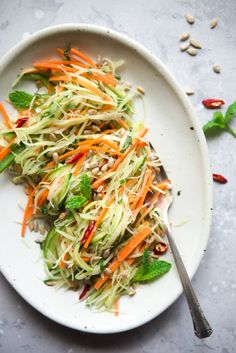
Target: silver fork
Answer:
[[202, 328]]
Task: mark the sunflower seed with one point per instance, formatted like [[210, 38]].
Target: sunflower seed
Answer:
[[192, 51], [217, 69], [140, 89], [95, 128], [93, 165], [95, 171], [99, 196], [100, 188], [184, 36], [92, 111], [104, 168], [189, 92], [107, 272], [110, 162], [213, 23], [87, 132], [106, 253], [190, 19], [55, 157], [131, 292], [62, 216], [195, 44], [184, 46]]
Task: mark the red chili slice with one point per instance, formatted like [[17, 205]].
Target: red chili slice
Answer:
[[21, 122], [75, 158], [88, 232], [161, 248], [84, 291], [219, 178], [213, 103]]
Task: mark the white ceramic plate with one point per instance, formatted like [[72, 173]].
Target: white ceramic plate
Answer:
[[183, 151]]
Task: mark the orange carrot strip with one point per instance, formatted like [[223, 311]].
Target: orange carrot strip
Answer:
[[43, 197], [98, 221], [106, 107], [143, 195], [6, 150], [101, 180], [5, 117], [116, 307], [105, 142], [83, 57], [78, 165], [28, 212], [123, 123], [86, 259], [124, 253], [62, 264]]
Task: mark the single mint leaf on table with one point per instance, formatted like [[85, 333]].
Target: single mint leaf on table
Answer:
[[85, 186], [230, 112], [20, 99], [76, 202]]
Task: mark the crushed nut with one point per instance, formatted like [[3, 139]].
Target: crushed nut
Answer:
[[213, 23], [184, 36], [190, 19], [192, 51]]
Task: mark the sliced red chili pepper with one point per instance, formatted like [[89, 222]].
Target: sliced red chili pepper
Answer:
[[84, 291], [88, 232], [75, 158], [161, 248], [213, 103], [219, 178], [21, 122]]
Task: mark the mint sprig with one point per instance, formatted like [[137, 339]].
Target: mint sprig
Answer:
[[20, 99], [76, 202], [85, 186], [151, 269], [220, 121]]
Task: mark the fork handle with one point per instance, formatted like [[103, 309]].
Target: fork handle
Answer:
[[201, 326]]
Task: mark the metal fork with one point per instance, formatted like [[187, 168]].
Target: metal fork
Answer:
[[202, 328]]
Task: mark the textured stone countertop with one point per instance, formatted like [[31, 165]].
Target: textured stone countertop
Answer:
[[157, 25]]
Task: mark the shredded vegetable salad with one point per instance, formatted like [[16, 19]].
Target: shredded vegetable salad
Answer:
[[91, 178]]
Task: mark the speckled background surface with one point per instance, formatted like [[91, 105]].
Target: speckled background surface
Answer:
[[157, 25]]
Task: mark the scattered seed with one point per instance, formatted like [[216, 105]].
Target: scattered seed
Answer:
[[62, 216], [213, 23], [99, 196], [140, 89], [190, 19], [92, 111], [42, 229], [184, 46], [189, 92], [31, 226], [87, 132], [38, 110], [110, 162], [217, 69], [99, 173], [100, 188], [93, 165], [55, 157], [107, 272], [106, 253], [192, 51], [184, 36], [95, 170], [132, 291], [195, 44], [95, 128], [104, 168]]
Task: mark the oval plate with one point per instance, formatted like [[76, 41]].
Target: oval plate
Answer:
[[182, 148]]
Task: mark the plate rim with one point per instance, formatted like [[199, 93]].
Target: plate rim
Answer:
[[202, 145]]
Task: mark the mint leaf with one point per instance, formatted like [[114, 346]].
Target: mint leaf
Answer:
[[20, 99], [230, 112], [76, 202], [145, 257], [85, 186], [102, 266], [152, 270]]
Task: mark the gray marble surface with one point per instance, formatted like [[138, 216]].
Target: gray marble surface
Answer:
[[156, 24]]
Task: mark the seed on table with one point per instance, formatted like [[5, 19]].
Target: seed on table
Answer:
[[140, 89], [95, 171], [213, 23], [192, 51], [184, 36], [100, 188], [190, 19], [184, 46], [195, 44], [131, 292], [95, 128], [106, 253], [110, 162], [189, 92], [217, 69], [104, 168], [55, 157]]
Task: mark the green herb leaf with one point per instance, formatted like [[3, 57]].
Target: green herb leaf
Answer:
[[89, 71], [67, 51], [76, 202], [127, 143], [102, 267], [20, 99], [151, 269], [220, 121], [85, 186]]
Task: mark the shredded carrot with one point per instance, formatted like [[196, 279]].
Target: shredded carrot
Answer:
[[99, 140], [123, 123], [143, 194], [116, 307], [78, 165], [5, 117], [86, 259], [43, 197], [98, 221], [28, 212], [82, 56], [106, 107], [62, 263], [6, 150], [124, 253]]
